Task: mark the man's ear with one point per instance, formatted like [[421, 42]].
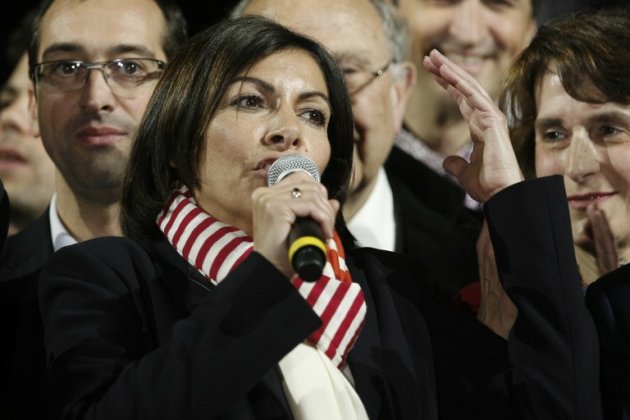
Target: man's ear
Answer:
[[404, 74], [532, 28], [32, 106]]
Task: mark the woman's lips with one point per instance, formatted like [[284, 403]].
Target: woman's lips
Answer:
[[262, 168], [582, 201]]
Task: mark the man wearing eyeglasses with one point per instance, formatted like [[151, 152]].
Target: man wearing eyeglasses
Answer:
[[94, 65], [384, 209]]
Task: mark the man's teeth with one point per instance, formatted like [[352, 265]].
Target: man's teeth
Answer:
[[466, 60]]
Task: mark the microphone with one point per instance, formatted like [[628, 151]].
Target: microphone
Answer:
[[307, 250]]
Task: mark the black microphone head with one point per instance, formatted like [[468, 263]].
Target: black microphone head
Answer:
[[288, 164]]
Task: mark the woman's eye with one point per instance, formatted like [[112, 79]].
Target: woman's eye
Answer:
[[249, 101], [315, 116], [609, 131], [552, 136], [500, 3]]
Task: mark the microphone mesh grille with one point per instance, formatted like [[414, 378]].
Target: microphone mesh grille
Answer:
[[287, 165]]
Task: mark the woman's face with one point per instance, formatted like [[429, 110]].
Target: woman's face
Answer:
[[279, 106], [589, 144]]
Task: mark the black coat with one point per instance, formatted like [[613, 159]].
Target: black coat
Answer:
[[133, 331], [432, 222], [23, 393], [608, 299]]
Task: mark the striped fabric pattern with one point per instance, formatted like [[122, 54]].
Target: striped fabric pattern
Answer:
[[215, 249]]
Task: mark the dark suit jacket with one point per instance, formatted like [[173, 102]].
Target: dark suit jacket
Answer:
[[432, 221], [133, 331], [608, 299], [23, 392], [25, 252]]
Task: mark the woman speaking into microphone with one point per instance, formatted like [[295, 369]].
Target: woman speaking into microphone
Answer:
[[199, 314]]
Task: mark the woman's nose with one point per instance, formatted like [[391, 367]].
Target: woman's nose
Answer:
[[284, 131], [582, 160]]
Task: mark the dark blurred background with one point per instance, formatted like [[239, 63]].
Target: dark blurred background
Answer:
[[202, 13]]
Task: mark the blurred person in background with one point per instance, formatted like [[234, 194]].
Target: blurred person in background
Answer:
[[26, 170]]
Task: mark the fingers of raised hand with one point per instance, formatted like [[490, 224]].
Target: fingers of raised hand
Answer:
[[435, 72], [448, 73], [603, 238]]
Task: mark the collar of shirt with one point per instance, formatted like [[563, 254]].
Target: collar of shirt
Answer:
[[416, 148], [374, 224], [60, 235]]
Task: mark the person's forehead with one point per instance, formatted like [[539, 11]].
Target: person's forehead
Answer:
[[420, 2], [341, 26], [281, 66], [527, 6], [101, 24]]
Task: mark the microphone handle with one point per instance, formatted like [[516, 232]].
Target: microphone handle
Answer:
[[307, 250]]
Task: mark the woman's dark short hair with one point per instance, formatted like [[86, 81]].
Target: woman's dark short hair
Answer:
[[590, 50], [170, 140]]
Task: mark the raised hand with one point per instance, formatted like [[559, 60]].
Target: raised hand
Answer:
[[493, 165]]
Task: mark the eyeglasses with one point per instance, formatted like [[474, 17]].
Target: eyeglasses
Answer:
[[357, 79], [123, 76]]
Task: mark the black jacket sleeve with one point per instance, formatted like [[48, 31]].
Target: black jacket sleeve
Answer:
[[553, 344]]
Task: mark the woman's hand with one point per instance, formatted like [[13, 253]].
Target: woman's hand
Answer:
[[493, 165], [276, 208], [603, 240]]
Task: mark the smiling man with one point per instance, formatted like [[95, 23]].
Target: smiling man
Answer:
[[482, 36]]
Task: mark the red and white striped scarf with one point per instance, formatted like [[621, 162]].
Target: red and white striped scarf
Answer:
[[215, 249]]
